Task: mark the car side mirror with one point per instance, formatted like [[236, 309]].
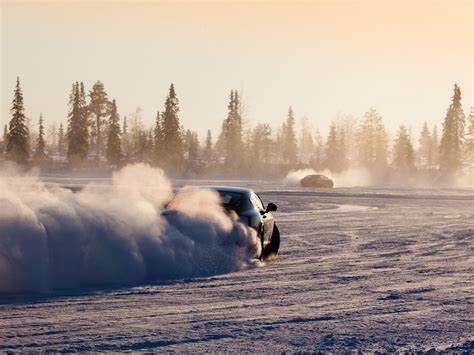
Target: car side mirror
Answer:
[[271, 207]]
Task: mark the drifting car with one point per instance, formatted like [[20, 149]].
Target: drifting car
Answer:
[[251, 211], [316, 180]]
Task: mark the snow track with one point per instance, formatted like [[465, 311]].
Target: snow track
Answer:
[[359, 269]]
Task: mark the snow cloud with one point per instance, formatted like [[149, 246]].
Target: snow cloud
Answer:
[[52, 238], [355, 177]]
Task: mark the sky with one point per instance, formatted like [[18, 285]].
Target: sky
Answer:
[[401, 58]]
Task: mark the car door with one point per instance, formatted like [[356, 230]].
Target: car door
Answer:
[[267, 218]]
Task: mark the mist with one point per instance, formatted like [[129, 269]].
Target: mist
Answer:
[[52, 238]]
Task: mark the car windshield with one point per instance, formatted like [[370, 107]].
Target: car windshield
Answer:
[[231, 200]]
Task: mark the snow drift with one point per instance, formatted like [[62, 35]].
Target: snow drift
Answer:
[[52, 238]]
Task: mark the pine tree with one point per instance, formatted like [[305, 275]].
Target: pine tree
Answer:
[[136, 129], [435, 146], [452, 138], [237, 135], [52, 137], [318, 157], [381, 149], [342, 149], [173, 150], [61, 140], [125, 139], [290, 149], [191, 143], [32, 136], [208, 151], [226, 134], [98, 109], [425, 151], [469, 150], [148, 154], [40, 153], [261, 147], [348, 125], [18, 148], [114, 152], [332, 150], [305, 146], [158, 138], [142, 146], [403, 160], [77, 131], [231, 136], [373, 143]]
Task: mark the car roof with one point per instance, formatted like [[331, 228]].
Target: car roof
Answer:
[[241, 190]]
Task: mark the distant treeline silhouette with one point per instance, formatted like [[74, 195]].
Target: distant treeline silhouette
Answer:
[[95, 136]]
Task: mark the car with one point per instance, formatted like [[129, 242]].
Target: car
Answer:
[[316, 180], [251, 211]]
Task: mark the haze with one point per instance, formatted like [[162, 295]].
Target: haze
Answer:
[[322, 58]]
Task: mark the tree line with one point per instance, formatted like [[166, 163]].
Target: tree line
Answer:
[[95, 135]]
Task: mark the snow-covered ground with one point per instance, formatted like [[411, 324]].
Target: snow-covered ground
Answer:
[[359, 268]]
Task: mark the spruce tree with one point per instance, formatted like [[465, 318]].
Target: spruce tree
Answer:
[[158, 139], [98, 109], [18, 148], [114, 152], [342, 149], [208, 153], [403, 160], [40, 153], [61, 140], [452, 139], [231, 135], [226, 135], [125, 139], [469, 150], [332, 150], [318, 157], [373, 143], [77, 130], [261, 147], [435, 146], [136, 129], [306, 144], [425, 151], [290, 148], [173, 150], [191, 143], [237, 131]]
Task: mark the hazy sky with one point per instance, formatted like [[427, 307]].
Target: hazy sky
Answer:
[[320, 57]]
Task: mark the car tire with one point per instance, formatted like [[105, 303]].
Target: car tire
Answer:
[[271, 250]]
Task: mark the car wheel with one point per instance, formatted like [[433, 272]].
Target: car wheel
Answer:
[[271, 250]]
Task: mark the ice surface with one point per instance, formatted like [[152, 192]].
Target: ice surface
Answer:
[[395, 273]]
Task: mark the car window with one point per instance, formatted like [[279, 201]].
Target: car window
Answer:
[[256, 201], [231, 200]]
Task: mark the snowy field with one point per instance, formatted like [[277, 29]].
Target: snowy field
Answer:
[[359, 268]]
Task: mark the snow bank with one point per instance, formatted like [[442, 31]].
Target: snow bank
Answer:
[[52, 238]]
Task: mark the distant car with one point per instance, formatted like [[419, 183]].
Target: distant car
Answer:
[[251, 211], [316, 180]]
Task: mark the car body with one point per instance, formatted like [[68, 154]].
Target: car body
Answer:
[[316, 180], [251, 211]]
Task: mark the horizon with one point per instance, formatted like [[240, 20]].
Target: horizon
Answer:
[[327, 50]]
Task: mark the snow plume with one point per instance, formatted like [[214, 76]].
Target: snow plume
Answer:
[[349, 178], [52, 238]]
